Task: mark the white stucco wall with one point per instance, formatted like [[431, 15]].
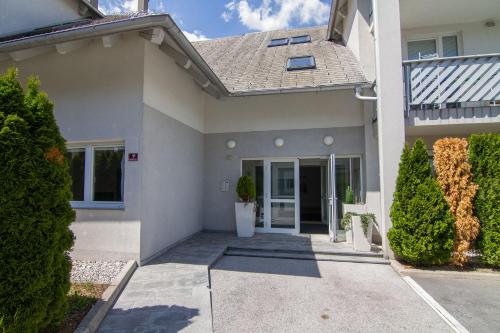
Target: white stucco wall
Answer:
[[98, 97], [357, 35], [168, 88], [173, 154], [475, 38], [282, 112]]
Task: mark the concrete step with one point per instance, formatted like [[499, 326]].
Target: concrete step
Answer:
[[306, 256], [338, 252]]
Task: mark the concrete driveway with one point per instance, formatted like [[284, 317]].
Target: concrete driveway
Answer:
[[473, 299], [288, 295]]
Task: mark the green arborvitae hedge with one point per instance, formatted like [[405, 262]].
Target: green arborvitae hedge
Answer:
[[34, 210], [484, 154], [422, 226]]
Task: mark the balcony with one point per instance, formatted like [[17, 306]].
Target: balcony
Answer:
[[453, 90]]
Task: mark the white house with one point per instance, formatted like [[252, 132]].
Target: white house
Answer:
[[160, 129]]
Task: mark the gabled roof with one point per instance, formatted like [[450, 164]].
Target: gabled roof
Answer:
[[246, 65]]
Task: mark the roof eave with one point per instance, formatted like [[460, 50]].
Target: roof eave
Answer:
[[301, 89], [330, 33], [163, 21]]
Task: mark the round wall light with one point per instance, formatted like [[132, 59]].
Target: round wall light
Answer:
[[279, 142], [328, 140], [230, 144]]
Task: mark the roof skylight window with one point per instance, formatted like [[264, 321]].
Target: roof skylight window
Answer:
[[300, 39], [297, 63], [278, 42]]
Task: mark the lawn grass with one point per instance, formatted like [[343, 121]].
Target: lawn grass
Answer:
[[81, 298]]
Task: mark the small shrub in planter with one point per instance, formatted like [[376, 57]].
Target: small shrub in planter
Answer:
[[349, 196], [34, 210], [366, 219], [484, 154], [245, 209], [422, 225], [246, 189]]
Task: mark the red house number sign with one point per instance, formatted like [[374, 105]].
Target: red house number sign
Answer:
[[133, 157]]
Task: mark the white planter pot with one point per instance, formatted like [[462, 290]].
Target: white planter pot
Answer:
[[360, 241], [348, 236], [245, 219]]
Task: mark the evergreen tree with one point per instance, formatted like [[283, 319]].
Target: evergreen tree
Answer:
[[422, 226], [34, 210], [484, 154]]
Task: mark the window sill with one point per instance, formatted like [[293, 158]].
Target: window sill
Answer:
[[98, 205]]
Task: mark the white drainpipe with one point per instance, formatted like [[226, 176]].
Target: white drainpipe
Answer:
[[364, 98]]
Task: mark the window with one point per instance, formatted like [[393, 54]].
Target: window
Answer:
[[439, 46], [278, 42], [301, 63], [97, 173], [300, 39], [422, 49], [76, 161], [347, 173], [450, 46]]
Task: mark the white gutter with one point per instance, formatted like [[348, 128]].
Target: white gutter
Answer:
[[364, 98], [299, 90]]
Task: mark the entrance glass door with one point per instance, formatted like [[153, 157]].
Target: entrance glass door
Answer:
[[282, 194], [277, 194]]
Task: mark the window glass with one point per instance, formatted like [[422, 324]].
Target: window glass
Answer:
[[282, 215], [278, 42], [301, 63], [450, 46], [76, 162], [356, 178], [255, 169], [347, 173], [282, 180], [300, 39], [108, 174], [422, 49]]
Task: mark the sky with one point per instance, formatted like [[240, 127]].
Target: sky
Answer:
[[208, 19]]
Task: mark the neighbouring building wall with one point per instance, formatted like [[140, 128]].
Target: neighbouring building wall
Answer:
[[357, 35], [35, 14], [173, 154], [97, 94], [475, 38]]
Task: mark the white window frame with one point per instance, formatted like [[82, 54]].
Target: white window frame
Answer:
[[438, 37], [88, 200]]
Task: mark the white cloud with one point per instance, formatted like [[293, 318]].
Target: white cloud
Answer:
[[118, 6], [277, 14], [195, 36], [227, 14]]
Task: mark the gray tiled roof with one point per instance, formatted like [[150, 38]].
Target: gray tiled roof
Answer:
[[245, 63]]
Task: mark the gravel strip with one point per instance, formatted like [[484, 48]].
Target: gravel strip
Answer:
[[95, 271]]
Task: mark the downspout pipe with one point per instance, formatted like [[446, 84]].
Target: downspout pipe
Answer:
[[364, 98]]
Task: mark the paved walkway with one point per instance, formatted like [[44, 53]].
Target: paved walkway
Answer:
[[172, 294], [295, 296]]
